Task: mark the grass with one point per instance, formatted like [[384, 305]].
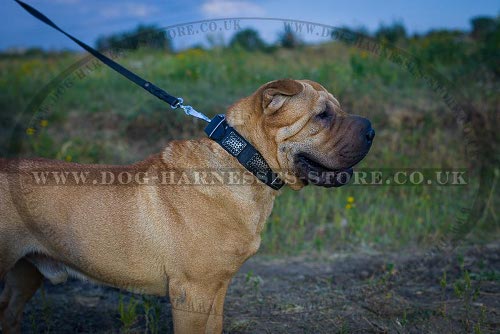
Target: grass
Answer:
[[144, 313], [103, 118], [467, 290], [152, 313], [128, 312], [385, 217]]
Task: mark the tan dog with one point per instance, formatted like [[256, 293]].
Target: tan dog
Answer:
[[174, 237]]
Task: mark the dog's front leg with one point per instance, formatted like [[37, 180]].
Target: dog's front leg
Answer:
[[197, 307]]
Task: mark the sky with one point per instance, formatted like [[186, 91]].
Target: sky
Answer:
[[89, 19]]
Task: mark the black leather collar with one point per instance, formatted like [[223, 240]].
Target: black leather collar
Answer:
[[247, 155]]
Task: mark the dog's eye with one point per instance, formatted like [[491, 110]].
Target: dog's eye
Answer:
[[325, 114]]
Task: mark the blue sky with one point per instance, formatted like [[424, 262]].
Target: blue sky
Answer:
[[88, 19]]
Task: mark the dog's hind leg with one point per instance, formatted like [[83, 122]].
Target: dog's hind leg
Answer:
[[21, 282]]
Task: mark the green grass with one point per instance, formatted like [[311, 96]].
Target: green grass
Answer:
[[380, 217], [103, 118], [128, 313]]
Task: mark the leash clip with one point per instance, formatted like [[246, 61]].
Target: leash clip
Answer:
[[178, 104], [190, 111]]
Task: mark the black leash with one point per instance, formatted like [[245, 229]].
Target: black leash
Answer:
[[217, 129]]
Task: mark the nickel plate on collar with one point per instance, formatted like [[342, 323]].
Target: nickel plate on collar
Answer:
[[233, 143], [257, 164]]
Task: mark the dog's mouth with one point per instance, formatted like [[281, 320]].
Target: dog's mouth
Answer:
[[310, 170]]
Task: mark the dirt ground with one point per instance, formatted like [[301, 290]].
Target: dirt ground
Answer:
[[365, 292]]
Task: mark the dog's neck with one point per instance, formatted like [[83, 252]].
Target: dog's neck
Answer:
[[250, 128], [247, 118], [207, 155]]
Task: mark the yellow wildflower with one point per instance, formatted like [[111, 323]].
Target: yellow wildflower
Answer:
[[68, 158], [44, 123], [348, 206], [350, 199], [30, 131]]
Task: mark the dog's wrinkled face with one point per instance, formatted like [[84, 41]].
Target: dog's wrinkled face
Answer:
[[307, 133]]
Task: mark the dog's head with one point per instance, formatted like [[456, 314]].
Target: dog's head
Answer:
[[299, 127]]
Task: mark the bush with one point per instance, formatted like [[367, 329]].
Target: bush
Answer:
[[486, 31], [441, 46], [142, 36], [249, 40], [483, 26], [288, 39], [392, 33]]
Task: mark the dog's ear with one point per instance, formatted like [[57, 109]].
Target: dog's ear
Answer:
[[315, 85], [275, 93]]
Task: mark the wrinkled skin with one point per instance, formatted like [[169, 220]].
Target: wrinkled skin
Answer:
[[317, 142]]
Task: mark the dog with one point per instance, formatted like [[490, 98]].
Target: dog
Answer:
[[176, 238]]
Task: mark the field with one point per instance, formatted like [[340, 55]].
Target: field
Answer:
[[365, 292], [67, 106]]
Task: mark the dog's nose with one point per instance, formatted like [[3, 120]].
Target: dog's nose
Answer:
[[366, 130], [370, 134]]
